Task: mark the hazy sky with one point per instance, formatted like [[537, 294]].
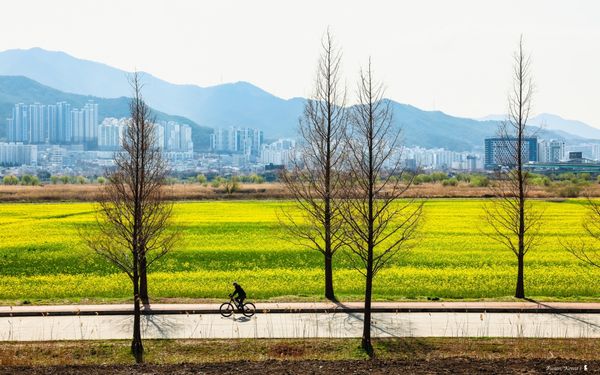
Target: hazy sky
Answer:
[[453, 56]]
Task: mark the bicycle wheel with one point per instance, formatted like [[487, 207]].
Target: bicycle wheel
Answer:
[[226, 309], [249, 309]]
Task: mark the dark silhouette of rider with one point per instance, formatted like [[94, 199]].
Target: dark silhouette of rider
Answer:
[[240, 293]]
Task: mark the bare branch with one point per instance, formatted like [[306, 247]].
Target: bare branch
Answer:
[[133, 215], [314, 180], [514, 221]]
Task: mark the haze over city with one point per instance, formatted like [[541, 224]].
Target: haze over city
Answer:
[[437, 55], [299, 187]]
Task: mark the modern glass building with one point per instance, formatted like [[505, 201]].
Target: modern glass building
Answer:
[[499, 152]]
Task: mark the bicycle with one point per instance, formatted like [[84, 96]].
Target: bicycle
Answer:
[[227, 308]]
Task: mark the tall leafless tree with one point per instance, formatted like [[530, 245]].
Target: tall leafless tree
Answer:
[[133, 215], [378, 223], [314, 180], [511, 214]]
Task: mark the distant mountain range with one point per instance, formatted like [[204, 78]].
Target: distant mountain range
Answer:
[[556, 124], [559, 124], [435, 129], [234, 104], [60, 76]]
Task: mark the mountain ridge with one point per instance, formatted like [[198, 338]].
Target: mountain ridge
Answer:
[[213, 106], [556, 123], [239, 103]]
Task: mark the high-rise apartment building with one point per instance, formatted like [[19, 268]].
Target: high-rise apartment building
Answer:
[[552, 151], [281, 152], [18, 124], [63, 132], [90, 133], [78, 126], [246, 141], [110, 134], [176, 137], [55, 124]]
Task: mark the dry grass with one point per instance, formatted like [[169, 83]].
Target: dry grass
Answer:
[[210, 351], [88, 192]]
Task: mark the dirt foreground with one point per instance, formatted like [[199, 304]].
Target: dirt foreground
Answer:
[[438, 366], [310, 356]]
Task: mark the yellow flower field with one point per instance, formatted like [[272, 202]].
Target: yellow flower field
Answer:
[[42, 258]]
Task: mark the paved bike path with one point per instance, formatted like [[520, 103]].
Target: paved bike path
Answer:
[[308, 307]]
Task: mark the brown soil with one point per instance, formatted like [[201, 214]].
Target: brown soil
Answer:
[[437, 366], [306, 356]]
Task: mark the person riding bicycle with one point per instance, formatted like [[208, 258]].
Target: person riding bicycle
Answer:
[[241, 295]]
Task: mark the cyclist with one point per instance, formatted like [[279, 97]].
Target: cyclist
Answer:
[[240, 293]]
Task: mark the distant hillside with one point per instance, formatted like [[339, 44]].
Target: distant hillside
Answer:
[[233, 104], [429, 129], [17, 89], [435, 129], [558, 125]]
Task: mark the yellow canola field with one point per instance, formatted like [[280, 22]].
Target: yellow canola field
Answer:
[[43, 259]]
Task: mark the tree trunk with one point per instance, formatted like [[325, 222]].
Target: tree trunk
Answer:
[[137, 348], [144, 281], [520, 291], [329, 294], [366, 337], [329, 278]]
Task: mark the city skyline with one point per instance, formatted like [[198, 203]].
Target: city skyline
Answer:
[[39, 123], [454, 57], [60, 124]]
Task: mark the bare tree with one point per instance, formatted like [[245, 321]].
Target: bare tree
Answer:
[[591, 225], [511, 214], [133, 214], [314, 181], [378, 223]]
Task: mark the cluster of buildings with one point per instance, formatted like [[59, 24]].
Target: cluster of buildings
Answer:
[[501, 151], [243, 150], [173, 138], [245, 141], [59, 136], [440, 159], [281, 152], [543, 156], [588, 150], [54, 124], [233, 144], [13, 154]]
